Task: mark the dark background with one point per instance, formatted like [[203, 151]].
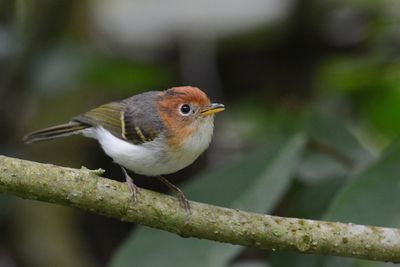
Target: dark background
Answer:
[[327, 69]]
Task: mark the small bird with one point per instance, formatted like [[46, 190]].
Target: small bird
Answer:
[[152, 133]]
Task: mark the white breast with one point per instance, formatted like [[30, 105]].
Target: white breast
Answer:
[[154, 158]]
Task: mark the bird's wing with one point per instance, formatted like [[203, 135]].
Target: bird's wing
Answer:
[[127, 121]]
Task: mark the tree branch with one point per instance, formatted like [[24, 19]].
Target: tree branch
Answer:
[[85, 189]]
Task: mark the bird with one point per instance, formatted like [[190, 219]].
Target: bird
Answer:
[[152, 133]]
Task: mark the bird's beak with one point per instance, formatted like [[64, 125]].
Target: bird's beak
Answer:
[[212, 108]]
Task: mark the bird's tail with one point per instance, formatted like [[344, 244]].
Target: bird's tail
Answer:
[[55, 132]]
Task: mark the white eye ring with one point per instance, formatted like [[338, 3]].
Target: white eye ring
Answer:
[[185, 109]]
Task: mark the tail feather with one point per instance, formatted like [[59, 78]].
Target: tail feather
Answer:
[[55, 132]]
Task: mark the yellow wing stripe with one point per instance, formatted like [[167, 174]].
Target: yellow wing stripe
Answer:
[[122, 119], [140, 134], [114, 118]]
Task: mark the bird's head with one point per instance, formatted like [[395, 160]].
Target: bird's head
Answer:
[[185, 111]]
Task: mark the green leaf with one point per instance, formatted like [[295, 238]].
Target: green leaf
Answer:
[[332, 131], [249, 264], [310, 200], [371, 198], [334, 149], [255, 183], [321, 176]]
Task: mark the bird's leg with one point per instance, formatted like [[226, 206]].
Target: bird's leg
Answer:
[[179, 194], [131, 184]]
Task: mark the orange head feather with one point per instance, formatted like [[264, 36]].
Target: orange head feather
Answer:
[[180, 109]]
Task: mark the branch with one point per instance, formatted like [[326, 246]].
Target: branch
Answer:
[[86, 190]]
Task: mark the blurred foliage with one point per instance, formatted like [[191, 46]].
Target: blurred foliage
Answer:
[[313, 98], [368, 191], [373, 85], [125, 74], [368, 198]]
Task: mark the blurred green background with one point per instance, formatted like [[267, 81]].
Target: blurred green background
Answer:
[[312, 95]]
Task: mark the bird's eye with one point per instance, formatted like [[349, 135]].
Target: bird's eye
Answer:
[[185, 109]]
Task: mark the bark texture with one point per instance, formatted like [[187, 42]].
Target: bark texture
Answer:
[[85, 189]]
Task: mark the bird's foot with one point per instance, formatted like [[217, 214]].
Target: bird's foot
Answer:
[[183, 201], [132, 187]]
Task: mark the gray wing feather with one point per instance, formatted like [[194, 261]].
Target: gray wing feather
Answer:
[[134, 119], [142, 122]]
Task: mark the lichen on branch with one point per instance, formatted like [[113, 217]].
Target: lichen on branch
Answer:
[[85, 189]]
